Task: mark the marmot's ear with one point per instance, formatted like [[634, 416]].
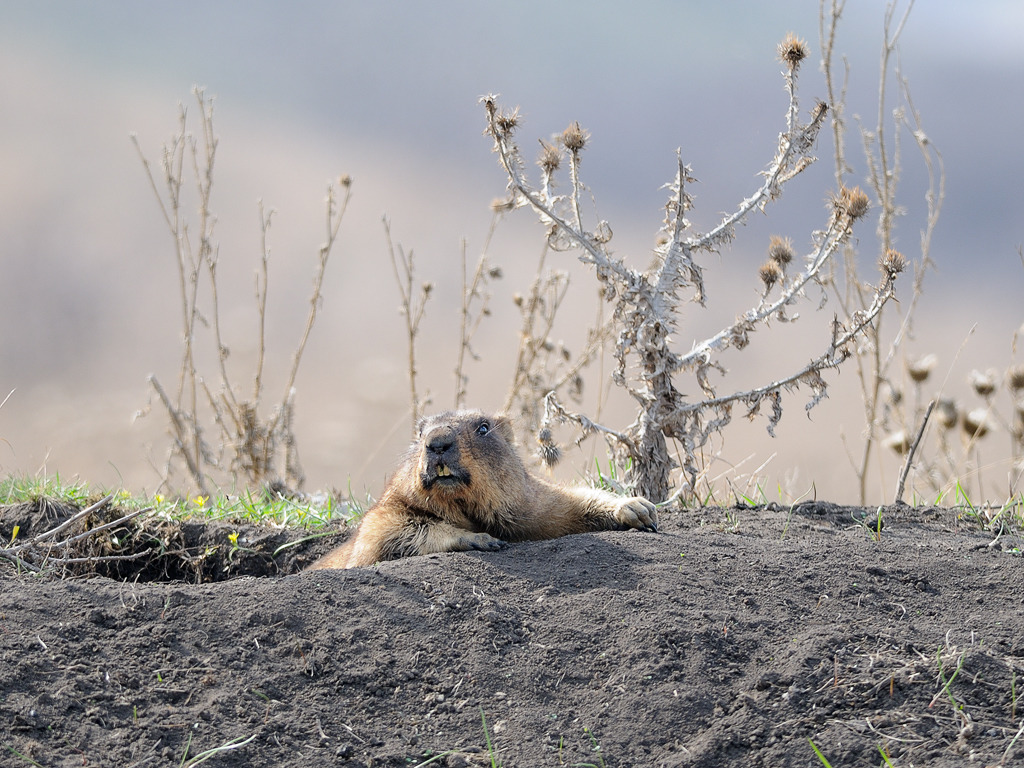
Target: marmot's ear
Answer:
[[503, 423]]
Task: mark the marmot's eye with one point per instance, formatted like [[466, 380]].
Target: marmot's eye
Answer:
[[483, 429]]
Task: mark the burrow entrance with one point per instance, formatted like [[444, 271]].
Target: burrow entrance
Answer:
[[148, 547]]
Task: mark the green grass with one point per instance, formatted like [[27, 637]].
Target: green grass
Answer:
[[17, 489], [817, 752], [491, 752], [312, 512]]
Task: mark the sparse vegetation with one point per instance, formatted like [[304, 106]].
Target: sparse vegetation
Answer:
[[255, 449]]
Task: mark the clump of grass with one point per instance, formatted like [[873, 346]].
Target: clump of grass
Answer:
[[61, 529], [17, 489]]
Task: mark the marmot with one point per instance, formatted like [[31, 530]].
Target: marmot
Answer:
[[463, 486]]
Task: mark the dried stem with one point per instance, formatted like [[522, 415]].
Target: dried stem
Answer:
[[910, 453], [403, 265], [262, 283], [883, 156], [334, 216], [474, 289]]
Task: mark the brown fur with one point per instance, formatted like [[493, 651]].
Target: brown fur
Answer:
[[463, 486]]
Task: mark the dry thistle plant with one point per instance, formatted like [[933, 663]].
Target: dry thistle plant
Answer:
[[644, 304], [855, 294], [253, 449]]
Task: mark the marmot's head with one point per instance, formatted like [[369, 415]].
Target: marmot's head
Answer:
[[468, 456]]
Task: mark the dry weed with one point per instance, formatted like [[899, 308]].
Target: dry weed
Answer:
[[252, 448]]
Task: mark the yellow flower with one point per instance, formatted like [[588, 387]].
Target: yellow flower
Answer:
[[200, 501], [159, 498], [233, 537]]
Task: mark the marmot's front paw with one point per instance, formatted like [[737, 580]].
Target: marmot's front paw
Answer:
[[483, 542], [637, 512]]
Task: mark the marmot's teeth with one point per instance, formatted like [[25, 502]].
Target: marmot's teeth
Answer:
[[443, 471]]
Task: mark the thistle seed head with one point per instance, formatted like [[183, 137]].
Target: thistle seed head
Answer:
[[548, 451], [976, 423], [892, 263], [1015, 378], [984, 383], [921, 368], [851, 202], [898, 442], [770, 273], [507, 122], [946, 413], [574, 138], [895, 395], [780, 250], [550, 157], [792, 50]]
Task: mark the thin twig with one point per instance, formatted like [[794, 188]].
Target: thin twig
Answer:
[[403, 267], [334, 218], [910, 454]]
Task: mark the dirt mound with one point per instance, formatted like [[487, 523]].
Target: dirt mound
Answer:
[[731, 638]]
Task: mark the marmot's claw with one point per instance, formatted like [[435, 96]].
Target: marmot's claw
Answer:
[[637, 512], [483, 542]]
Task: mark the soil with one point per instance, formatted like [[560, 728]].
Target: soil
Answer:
[[732, 637]]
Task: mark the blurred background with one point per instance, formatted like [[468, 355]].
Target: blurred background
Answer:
[[387, 92]]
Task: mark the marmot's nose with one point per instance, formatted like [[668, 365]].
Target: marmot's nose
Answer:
[[440, 444]]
